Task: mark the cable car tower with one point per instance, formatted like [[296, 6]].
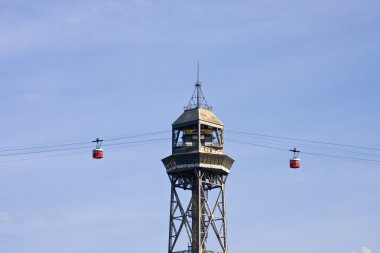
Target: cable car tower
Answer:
[[198, 169]]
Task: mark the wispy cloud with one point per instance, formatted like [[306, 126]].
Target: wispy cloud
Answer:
[[30, 217], [74, 24], [111, 22], [364, 249], [7, 237], [4, 217]]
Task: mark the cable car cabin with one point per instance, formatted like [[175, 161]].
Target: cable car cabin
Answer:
[[97, 153], [295, 163]]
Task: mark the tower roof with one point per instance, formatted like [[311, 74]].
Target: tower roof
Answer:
[[198, 114]]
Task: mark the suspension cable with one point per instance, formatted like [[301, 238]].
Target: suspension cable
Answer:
[[304, 140], [307, 153]]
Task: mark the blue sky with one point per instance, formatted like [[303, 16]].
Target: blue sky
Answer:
[[74, 70]]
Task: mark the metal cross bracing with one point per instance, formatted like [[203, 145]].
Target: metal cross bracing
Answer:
[[201, 216]]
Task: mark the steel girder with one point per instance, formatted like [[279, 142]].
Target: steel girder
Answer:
[[202, 216]]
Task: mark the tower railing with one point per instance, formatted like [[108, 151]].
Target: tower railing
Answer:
[[189, 251]]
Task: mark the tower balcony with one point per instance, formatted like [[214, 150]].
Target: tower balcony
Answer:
[[190, 161]]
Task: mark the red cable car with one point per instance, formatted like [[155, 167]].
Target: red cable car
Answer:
[[295, 162], [97, 153]]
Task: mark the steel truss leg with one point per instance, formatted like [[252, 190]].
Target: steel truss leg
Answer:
[[202, 216]]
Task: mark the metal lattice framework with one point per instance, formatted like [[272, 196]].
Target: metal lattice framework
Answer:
[[201, 216], [198, 170], [198, 100]]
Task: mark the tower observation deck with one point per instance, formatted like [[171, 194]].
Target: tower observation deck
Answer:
[[198, 169]]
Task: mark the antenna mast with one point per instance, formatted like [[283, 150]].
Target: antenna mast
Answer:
[[198, 86], [198, 100]]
